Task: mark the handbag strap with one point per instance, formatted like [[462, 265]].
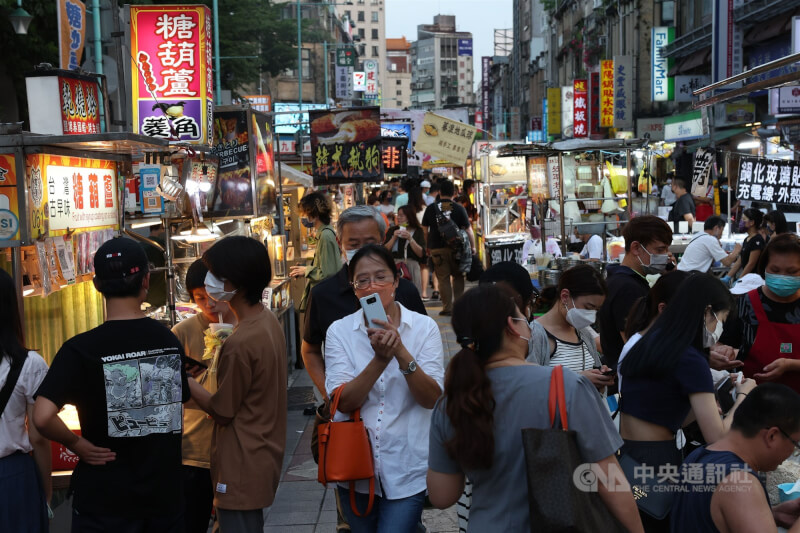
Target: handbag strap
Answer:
[[335, 397], [371, 501], [11, 381], [557, 400]]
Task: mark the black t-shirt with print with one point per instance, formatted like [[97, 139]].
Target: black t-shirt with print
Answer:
[[127, 381], [450, 209], [683, 205]]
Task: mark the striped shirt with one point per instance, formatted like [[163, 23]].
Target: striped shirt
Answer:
[[572, 355]]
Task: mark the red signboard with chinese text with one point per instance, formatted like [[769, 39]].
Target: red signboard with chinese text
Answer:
[[607, 93], [594, 106], [580, 108], [172, 88], [79, 109]]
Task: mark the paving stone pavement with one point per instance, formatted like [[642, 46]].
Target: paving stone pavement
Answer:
[[302, 505]]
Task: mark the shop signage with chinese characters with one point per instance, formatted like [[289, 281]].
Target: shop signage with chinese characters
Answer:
[[607, 93], [9, 204], [538, 188], [172, 88], [567, 107], [663, 86], [594, 103], [501, 169], [767, 180], [71, 33], [580, 109], [346, 145], [346, 56], [371, 83], [623, 92], [465, 47], [444, 138], [344, 82], [79, 110], [486, 70], [70, 193], [685, 85], [788, 99], [701, 172], [654, 127], [259, 102], [359, 81]]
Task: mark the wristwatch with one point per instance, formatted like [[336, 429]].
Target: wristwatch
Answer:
[[412, 366]]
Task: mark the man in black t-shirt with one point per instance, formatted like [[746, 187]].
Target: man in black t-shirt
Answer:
[[444, 263], [684, 208], [127, 381]]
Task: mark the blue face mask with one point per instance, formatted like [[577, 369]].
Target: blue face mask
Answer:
[[307, 222], [782, 286]]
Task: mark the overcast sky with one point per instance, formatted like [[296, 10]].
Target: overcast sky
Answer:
[[481, 17]]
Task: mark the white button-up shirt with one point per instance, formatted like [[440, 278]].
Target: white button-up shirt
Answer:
[[397, 425]]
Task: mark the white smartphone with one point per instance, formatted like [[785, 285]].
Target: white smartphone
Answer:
[[373, 309]]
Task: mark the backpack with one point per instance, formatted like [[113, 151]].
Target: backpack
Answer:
[[449, 231]]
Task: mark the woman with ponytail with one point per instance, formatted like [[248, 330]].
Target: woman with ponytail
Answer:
[[490, 393]]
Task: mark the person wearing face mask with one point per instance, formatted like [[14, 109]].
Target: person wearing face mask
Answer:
[[249, 407], [647, 241], [667, 378], [394, 374], [774, 224], [769, 317], [198, 428], [316, 209], [562, 336], [491, 392], [705, 248], [753, 244]]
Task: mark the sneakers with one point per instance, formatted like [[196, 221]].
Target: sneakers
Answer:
[[435, 295]]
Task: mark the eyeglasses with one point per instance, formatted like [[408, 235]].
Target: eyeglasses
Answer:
[[380, 280], [796, 444]]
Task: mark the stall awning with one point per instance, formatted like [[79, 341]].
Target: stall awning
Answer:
[[719, 136], [293, 175]]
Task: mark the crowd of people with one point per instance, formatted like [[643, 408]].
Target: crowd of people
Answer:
[[175, 424]]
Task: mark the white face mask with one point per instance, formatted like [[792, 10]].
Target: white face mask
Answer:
[[658, 263], [580, 318], [709, 338], [529, 339], [349, 254], [215, 288]]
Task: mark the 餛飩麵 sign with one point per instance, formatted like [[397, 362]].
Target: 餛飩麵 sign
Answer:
[[767, 180], [445, 138], [171, 72], [346, 145]]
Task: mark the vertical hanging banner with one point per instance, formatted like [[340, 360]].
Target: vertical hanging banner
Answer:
[[554, 111], [486, 102], [663, 87], [580, 109], [726, 41], [346, 145], [344, 82], [701, 174], [371, 74], [607, 93], [567, 107], [71, 33], [594, 103], [172, 89], [623, 92]]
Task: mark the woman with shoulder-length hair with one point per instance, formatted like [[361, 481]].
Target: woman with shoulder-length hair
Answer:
[[25, 486], [752, 246], [406, 241], [667, 378], [490, 394]]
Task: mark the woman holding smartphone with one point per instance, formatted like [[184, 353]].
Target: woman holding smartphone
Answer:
[[394, 374], [406, 241]]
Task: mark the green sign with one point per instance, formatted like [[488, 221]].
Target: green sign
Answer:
[[346, 56]]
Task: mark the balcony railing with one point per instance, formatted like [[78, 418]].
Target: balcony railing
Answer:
[[689, 42]]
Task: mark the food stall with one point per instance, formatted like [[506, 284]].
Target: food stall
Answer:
[[576, 184]]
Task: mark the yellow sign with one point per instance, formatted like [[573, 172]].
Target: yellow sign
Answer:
[[554, 111], [445, 138], [438, 163], [607, 93]]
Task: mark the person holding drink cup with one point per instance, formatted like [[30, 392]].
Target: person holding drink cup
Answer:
[[406, 241]]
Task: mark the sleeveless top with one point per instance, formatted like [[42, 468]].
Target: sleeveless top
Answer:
[[572, 355], [691, 510]]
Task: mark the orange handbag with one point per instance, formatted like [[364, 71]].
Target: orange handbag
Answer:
[[345, 454]]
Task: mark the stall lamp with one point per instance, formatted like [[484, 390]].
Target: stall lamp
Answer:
[[221, 222], [196, 235], [748, 145], [146, 223], [20, 19], [27, 286]]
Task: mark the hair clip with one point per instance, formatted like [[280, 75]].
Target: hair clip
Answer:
[[468, 343]]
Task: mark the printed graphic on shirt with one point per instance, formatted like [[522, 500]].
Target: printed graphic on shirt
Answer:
[[143, 392]]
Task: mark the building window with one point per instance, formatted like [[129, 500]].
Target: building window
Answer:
[[361, 33], [374, 34], [361, 16], [399, 103], [375, 51], [399, 93], [362, 50], [399, 82], [292, 72], [375, 16], [348, 15]]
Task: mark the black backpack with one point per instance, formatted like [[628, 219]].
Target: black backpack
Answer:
[[448, 230]]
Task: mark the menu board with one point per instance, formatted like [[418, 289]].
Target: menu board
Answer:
[[346, 146]]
